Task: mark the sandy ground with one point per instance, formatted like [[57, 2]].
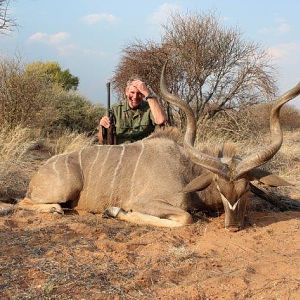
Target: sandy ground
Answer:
[[89, 257]]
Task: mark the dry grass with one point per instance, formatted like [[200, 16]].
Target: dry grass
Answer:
[[22, 151], [15, 165], [286, 161], [69, 142], [15, 143], [249, 124]]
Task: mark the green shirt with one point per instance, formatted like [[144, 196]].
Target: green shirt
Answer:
[[132, 124]]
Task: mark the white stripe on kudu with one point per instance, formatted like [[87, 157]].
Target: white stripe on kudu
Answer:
[[225, 200], [112, 186], [80, 161], [67, 165], [101, 168], [54, 166], [134, 171], [89, 175]]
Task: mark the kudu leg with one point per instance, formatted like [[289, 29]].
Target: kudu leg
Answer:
[[144, 219], [154, 213], [28, 204]]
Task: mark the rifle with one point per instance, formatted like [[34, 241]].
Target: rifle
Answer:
[[109, 134]]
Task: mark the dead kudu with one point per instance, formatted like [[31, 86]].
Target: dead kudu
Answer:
[[155, 181]]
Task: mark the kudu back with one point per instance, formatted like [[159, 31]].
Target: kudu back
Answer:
[[155, 181]]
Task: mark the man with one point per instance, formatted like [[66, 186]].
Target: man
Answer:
[[136, 117]]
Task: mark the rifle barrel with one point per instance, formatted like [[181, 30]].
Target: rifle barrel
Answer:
[[108, 97]]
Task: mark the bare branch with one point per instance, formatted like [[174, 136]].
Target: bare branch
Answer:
[[210, 67], [6, 22]]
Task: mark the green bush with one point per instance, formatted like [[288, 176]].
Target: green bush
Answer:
[[30, 99], [75, 113], [25, 99]]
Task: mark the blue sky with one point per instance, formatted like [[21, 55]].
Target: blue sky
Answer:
[[87, 36]]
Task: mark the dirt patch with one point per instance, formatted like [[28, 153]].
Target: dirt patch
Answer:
[[88, 257]]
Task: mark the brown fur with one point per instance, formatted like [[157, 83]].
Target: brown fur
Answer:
[[147, 178], [227, 150], [167, 132]]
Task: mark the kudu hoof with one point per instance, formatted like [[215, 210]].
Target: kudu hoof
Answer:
[[233, 228], [6, 209], [112, 212]]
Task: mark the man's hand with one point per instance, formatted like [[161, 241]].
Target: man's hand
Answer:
[[105, 122], [141, 86]]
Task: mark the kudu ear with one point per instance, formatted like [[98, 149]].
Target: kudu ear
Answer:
[[267, 178], [199, 183]]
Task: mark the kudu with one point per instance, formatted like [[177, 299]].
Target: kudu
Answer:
[[155, 181]]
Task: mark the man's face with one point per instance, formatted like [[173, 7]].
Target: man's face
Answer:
[[134, 97]]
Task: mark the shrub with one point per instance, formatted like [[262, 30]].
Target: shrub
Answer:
[[75, 113], [31, 100], [25, 99], [246, 124]]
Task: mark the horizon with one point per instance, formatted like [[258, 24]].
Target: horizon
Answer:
[[87, 38]]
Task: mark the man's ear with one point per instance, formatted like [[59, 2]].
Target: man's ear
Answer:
[[199, 183], [267, 178], [126, 91]]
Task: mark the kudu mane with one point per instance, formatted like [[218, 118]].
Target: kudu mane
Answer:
[[170, 133], [226, 150], [223, 150]]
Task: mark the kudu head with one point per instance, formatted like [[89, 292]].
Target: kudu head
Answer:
[[230, 174]]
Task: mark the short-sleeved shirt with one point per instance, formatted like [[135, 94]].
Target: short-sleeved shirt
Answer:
[[132, 124]]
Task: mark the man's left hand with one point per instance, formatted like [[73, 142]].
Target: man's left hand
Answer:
[[141, 86]]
